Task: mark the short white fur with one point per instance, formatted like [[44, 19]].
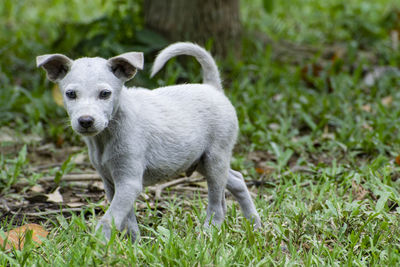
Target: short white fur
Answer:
[[139, 137]]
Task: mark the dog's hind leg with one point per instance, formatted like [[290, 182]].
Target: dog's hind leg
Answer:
[[215, 169], [238, 188]]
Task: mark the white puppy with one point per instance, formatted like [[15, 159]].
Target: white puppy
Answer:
[[138, 137]]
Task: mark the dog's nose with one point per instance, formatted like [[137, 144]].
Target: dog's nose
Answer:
[[86, 121]]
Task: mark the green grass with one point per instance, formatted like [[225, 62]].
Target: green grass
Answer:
[[307, 220], [328, 143]]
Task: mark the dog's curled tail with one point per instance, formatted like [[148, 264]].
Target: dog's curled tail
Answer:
[[210, 69]]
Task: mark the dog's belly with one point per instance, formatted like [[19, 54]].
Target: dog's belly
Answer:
[[153, 176]]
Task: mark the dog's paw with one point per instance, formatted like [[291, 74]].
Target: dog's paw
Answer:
[[105, 228], [256, 222], [210, 223], [132, 233]]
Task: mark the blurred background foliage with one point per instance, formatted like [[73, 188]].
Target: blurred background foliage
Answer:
[[297, 79]]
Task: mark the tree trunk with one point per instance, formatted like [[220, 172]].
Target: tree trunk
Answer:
[[196, 21]]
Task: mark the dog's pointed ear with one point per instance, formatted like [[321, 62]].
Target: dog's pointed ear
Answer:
[[56, 65], [126, 65]]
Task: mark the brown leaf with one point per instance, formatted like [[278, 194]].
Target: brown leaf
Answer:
[[327, 134], [260, 156], [338, 54], [387, 101], [309, 71], [358, 191], [398, 159], [367, 126], [330, 136], [60, 141], [263, 170], [367, 108], [315, 70], [16, 237]]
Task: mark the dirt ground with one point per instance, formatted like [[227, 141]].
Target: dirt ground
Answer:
[[81, 190]]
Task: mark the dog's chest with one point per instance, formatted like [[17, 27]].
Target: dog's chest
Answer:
[[99, 154], [97, 159]]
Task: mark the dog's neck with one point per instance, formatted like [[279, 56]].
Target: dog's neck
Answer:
[[100, 143]]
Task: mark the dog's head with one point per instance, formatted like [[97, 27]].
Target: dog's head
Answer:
[[91, 86]]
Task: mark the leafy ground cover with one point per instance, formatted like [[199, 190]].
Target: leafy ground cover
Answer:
[[319, 142]]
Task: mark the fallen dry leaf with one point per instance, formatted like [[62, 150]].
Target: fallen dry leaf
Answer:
[[202, 184], [358, 191], [263, 170], [76, 204], [80, 158], [274, 126], [11, 136], [330, 136], [398, 159], [55, 197], [16, 237], [387, 101], [377, 73], [277, 97], [260, 156], [37, 188], [367, 127], [327, 134], [98, 185], [366, 108]]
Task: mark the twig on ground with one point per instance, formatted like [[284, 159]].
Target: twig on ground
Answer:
[[295, 169], [158, 188], [190, 188], [48, 212], [53, 165], [4, 204], [67, 178], [44, 167]]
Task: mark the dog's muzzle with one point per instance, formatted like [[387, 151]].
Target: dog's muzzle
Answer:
[[87, 126], [86, 121]]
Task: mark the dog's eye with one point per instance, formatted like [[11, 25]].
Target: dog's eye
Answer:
[[71, 94], [104, 94]]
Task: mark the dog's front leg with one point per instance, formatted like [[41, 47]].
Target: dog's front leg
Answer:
[[108, 187], [121, 210]]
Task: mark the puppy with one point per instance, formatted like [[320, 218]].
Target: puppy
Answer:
[[138, 137]]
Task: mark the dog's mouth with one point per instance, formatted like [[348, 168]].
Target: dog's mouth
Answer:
[[88, 132]]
